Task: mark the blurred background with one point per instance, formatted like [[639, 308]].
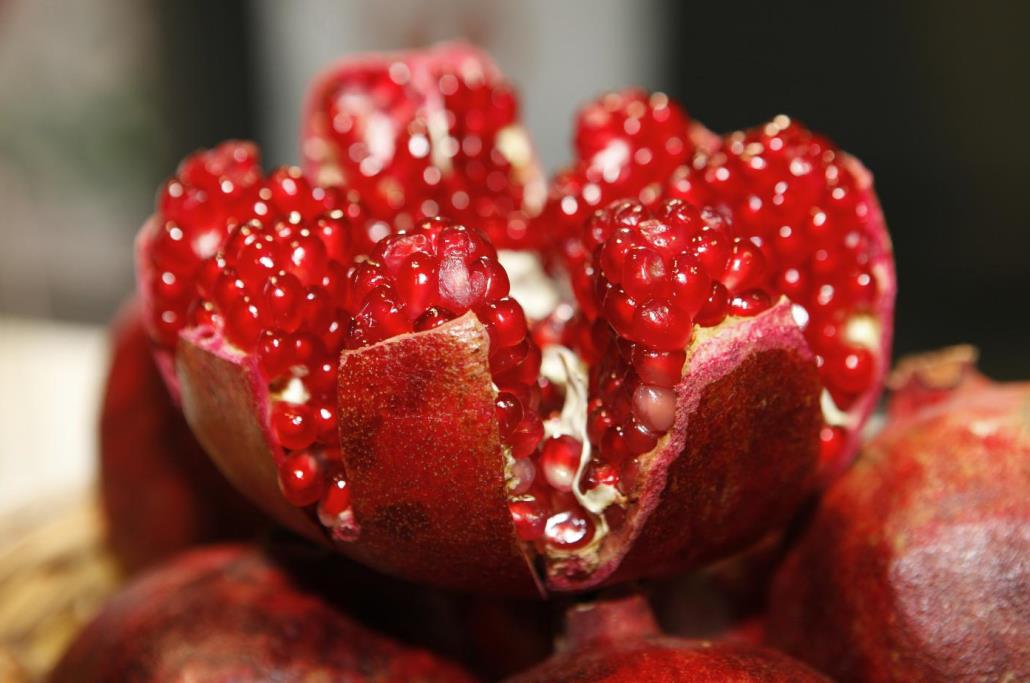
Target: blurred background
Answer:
[[100, 98]]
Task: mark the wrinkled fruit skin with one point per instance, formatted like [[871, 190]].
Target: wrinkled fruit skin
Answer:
[[160, 492], [230, 613], [915, 567], [620, 642]]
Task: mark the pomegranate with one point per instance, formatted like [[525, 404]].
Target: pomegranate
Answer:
[[423, 133], [160, 492], [914, 567], [391, 400], [618, 640], [232, 613], [802, 221]]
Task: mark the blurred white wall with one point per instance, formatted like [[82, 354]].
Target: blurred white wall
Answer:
[[559, 53]]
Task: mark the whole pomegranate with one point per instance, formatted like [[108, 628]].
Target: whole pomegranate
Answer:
[[160, 492], [914, 567], [619, 641], [390, 399], [234, 613]]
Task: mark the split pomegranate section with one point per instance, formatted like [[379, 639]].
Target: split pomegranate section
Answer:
[[799, 218], [425, 133], [382, 391]]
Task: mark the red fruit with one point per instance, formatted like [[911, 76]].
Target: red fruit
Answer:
[[160, 492], [791, 215], [695, 410], [914, 567], [619, 641], [423, 133], [229, 613]]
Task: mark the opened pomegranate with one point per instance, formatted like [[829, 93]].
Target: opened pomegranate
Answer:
[[160, 492], [233, 613], [423, 133], [801, 221], [618, 640], [697, 434], [914, 567], [390, 399]]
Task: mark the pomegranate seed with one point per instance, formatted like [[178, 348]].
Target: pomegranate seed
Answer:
[[850, 371], [559, 461], [293, 425], [505, 322], [661, 368], [523, 473], [569, 529], [526, 436], [749, 303], [300, 479], [335, 500], [831, 441], [654, 407], [530, 518]]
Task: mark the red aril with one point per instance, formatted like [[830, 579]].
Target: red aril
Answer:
[[425, 133], [791, 215]]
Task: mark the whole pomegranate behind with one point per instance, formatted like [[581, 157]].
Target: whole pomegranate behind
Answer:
[[160, 492], [232, 613], [916, 566], [619, 641]]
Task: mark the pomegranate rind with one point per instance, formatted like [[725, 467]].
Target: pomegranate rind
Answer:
[[914, 565], [233, 613], [319, 155], [225, 401], [618, 641], [422, 454], [159, 491], [738, 461]]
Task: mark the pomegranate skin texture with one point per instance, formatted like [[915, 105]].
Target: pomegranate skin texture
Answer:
[[231, 613], [617, 641], [159, 491], [914, 567], [739, 459]]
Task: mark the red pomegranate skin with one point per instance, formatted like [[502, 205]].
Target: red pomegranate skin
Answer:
[[160, 492], [231, 613], [619, 641], [915, 565]]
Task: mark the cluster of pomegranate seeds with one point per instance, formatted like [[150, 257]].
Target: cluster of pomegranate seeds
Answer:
[[264, 261], [653, 274], [627, 145], [276, 289], [795, 198], [417, 145], [213, 191]]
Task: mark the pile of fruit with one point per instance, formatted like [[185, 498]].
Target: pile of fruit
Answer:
[[359, 347]]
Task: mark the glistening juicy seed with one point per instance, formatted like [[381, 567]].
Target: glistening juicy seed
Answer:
[[213, 191], [795, 197], [416, 145], [264, 262], [627, 145], [652, 275]]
